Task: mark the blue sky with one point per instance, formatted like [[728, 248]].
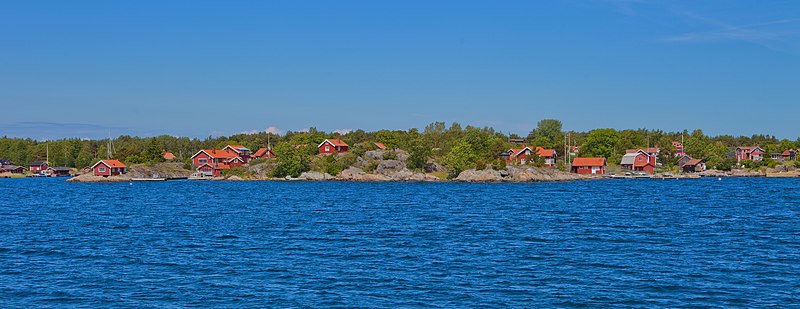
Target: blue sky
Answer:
[[199, 68]]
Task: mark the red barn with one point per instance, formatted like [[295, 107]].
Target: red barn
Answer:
[[38, 167], [215, 170], [107, 168], [588, 166], [331, 146]]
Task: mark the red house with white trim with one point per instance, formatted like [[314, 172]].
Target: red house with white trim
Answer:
[[331, 146], [548, 155], [518, 155], [107, 168], [212, 161], [238, 151], [752, 153], [588, 166], [639, 161], [38, 166]]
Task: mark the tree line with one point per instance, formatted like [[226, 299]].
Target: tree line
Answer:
[[457, 148]]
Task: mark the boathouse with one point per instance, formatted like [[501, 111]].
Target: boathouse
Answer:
[[38, 167], [588, 166]]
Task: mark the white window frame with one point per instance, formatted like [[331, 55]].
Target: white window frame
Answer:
[[101, 169]]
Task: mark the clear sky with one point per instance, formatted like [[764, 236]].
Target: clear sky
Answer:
[[199, 68]]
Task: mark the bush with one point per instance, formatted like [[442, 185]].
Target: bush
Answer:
[[499, 164]]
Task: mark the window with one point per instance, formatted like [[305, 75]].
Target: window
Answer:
[[202, 161], [101, 169], [327, 148]]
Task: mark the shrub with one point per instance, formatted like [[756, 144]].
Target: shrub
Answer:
[[390, 155]]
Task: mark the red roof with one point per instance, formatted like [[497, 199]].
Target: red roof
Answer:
[[694, 162], [589, 162], [648, 150], [545, 152], [335, 142], [217, 154], [261, 152], [787, 153], [380, 145], [168, 156], [110, 164]]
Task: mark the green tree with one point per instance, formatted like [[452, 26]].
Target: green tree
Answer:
[[460, 158], [154, 151], [547, 133], [600, 143]]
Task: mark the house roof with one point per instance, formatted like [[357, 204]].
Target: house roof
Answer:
[[214, 153], [629, 158], [750, 148], [380, 145], [110, 163], [695, 161], [38, 163], [787, 152], [677, 144], [514, 152], [60, 169], [11, 167], [545, 152], [262, 152], [168, 155], [589, 161], [335, 142], [237, 148]]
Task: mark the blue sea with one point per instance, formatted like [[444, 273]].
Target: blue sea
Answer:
[[610, 243]]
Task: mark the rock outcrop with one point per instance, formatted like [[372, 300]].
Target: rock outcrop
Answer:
[[158, 170], [515, 174], [386, 167], [357, 174], [92, 178], [315, 176]]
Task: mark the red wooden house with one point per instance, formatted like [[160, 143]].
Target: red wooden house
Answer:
[[752, 153], [212, 161], [678, 148], [331, 146], [107, 168], [238, 151], [263, 153], [38, 167], [639, 161], [548, 155], [588, 166], [518, 155]]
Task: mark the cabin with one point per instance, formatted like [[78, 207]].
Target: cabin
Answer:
[[38, 167], [683, 160], [168, 156], [238, 151], [331, 146], [548, 155], [13, 169], [263, 153], [694, 166], [639, 161], [107, 168], [752, 153], [380, 146], [58, 171], [588, 166]]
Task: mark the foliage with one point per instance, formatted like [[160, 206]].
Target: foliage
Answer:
[[600, 143], [389, 155], [460, 158]]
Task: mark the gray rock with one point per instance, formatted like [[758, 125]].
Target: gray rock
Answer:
[[387, 167], [315, 176], [487, 175], [432, 167], [357, 174]]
